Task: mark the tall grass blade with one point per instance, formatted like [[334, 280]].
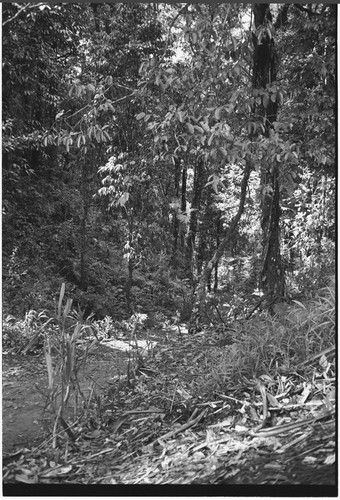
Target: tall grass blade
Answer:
[[61, 296]]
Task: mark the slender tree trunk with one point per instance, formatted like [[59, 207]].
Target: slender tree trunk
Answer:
[[199, 296], [83, 223], [271, 279], [130, 264], [216, 278], [195, 206], [176, 222], [218, 226], [183, 203]]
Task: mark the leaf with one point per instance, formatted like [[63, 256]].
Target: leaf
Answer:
[[323, 362], [211, 139], [199, 129], [265, 100], [123, 199], [57, 471], [217, 113], [61, 296], [205, 126], [237, 69], [305, 394], [93, 435], [272, 400], [49, 366], [299, 303], [190, 128], [22, 478], [67, 308]]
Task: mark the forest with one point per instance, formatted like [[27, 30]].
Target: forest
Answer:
[[169, 244]]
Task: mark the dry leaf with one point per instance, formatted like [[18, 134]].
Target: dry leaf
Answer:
[[58, 471], [22, 478]]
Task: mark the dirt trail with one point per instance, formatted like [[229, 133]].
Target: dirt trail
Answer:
[[23, 404]]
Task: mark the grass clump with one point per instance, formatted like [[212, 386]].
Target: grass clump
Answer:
[[273, 344]]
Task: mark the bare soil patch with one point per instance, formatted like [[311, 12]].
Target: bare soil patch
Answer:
[[24, 420]]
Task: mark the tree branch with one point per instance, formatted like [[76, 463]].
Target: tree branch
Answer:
[[24, 8], [310, 12]]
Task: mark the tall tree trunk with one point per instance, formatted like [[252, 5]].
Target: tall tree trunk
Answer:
[[183, 203], [176, 222], [199, 296], [218, 228], [195, 206], [85, 195], [271, 279], [129, 262]]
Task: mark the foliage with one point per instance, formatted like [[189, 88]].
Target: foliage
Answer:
[[267, 345], [63, 364], [128, 132], [17, 333]]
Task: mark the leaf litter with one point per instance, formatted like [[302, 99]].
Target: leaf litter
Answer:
[[165, 429]]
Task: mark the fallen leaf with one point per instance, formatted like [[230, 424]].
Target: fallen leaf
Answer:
[[58, 471], [22, 478], [330, 460], [309, 460], [26, 472], [241, 428]]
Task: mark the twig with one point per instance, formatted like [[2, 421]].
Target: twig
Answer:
[[131, 412], [273, 431], [262, 390], [249, 315], [219, 314], [317, 356], [294, 442], [223, 396], [173, 398], [101, 453], [183, 427]]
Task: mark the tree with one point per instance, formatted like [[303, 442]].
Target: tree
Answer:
[[172, 114], [264, 80]]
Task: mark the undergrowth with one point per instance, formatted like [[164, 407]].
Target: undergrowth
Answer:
[[263, 345], [272, 344]]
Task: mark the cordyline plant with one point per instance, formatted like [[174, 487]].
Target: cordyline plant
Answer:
[[66, 363]]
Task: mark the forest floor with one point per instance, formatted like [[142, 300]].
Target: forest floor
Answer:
[[24, 421], [160, 426]]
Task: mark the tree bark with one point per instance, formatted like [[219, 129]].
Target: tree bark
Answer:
[[271, 279], [195, 206], [176, 222], [183, 203], [85, 194]]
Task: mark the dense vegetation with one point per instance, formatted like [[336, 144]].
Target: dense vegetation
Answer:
[[127, 129], [173, 163]]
